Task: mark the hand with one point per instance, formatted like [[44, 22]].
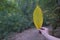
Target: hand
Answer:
[[44, 30]]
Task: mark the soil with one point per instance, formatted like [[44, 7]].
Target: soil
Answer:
[[30, 34]]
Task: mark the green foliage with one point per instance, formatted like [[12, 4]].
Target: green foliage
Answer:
[[48, 8]]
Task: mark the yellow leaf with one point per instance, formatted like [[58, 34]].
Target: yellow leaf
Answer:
[[38, 17]]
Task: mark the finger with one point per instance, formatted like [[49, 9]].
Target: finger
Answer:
[[44, 28]]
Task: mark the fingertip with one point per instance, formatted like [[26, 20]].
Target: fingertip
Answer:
[[44, 27]]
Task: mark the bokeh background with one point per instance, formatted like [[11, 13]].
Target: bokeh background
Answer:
[[17, 15]]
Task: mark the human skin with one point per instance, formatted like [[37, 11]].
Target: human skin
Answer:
[[45, 32]]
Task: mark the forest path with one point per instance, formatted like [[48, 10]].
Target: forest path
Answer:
[[30, 34]]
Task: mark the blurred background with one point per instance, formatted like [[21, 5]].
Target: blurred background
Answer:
[[16, 15]]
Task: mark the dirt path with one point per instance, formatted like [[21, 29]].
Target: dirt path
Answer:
[[31, 34]]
